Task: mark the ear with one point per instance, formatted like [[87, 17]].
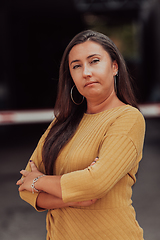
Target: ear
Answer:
[[115, 67]]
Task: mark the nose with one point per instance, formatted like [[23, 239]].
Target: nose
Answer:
[[87, 71]]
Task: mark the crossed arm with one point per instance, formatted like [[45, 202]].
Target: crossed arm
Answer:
[[50, 196]]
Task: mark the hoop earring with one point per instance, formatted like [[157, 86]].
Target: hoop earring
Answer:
[[73, 99], [115, 84]]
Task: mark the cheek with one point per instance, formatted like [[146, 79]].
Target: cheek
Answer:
[[76, 77], [104, 74], [108, 72], [73, 75]]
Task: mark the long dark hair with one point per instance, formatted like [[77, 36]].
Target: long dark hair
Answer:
[[68, 115]]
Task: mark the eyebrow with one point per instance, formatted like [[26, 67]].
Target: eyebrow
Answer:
[[92, 55]]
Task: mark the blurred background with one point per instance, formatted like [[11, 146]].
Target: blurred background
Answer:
[[34, 34]]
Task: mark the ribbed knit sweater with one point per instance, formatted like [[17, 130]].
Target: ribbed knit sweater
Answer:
[[116, 137]]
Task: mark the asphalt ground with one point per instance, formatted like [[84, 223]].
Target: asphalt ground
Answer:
[[19, 221]]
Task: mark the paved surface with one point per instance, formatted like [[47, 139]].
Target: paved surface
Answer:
[[19, 221]]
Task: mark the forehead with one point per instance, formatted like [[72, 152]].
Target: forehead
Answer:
[[83, 50]]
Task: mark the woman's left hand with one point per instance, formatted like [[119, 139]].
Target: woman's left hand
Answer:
[[26, 181]]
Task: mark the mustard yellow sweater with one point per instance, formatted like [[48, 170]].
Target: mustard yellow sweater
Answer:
[[115, 136]]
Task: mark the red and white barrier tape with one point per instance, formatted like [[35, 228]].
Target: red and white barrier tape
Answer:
[[26, 116], [47, 115], [151, 110]]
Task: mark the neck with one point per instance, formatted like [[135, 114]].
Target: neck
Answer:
[[96, 106]]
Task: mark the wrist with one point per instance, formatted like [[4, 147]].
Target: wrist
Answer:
[[50, 184], [35, 180]]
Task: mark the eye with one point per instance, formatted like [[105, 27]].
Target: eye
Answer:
[[96, 60], [76, 66]]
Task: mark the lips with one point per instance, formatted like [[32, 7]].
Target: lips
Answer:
[[89, 83]]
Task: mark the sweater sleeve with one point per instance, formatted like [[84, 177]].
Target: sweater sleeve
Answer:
[[37, 159], [119, 152]]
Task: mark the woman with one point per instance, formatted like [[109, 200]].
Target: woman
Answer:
[[91, 151]]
